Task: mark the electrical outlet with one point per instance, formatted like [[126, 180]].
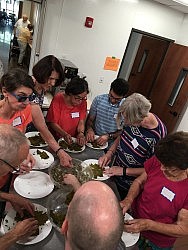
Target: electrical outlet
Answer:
[[101, 79]]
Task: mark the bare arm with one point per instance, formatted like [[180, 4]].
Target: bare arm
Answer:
[[134, 191], [40, 124], [178, 229], [81, 140], [90, 134]]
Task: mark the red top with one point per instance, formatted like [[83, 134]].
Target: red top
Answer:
[[160, 200], [20, 120], [67, 117]]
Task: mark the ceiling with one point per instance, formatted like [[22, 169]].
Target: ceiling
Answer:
[[174, 5]]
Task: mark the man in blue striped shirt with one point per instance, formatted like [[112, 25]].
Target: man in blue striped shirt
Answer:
[[102, 115]]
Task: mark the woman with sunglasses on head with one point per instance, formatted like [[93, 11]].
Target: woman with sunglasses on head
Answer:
[[67, 113], [15, 109], [47, 73]]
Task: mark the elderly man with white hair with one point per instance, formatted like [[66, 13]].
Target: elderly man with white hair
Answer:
[[14, 147], [21, 23]]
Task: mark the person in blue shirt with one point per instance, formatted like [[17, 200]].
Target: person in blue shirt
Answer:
[[102, 115]]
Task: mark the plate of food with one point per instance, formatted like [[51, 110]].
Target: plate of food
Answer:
[[45, 226], [79, 169], [71, 148], [33, 185], [95, 145], [96, 169], [36, 139], [129, 238], [42, 157]]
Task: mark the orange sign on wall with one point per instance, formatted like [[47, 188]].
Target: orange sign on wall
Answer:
[[111, 63]]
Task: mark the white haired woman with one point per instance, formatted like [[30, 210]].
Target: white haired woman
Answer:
[[142, 130]]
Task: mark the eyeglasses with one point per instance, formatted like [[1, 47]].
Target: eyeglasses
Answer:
[[80, 98], [22, 98], [116, 99], [15, 170]]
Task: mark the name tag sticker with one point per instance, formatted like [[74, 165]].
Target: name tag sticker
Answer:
[[168, 193], [134, 143], [17, 121], [75, 115]]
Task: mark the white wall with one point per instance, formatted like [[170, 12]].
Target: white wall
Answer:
[[66, 36]]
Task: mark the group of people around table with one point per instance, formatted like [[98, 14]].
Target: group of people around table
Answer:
[[148, 166]]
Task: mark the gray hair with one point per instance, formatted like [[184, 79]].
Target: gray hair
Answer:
[[134, 109], [11, 139]]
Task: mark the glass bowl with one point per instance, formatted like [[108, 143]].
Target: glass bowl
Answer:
[[57, 206], [79, 169]]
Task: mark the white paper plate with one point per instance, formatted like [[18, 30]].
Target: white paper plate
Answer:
[[33, 185], [128, 238], [44, 230], [72, 151], [41, 163], [101, 147], [30, 134], [94, 161]]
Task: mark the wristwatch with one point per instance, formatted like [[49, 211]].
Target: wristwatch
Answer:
[[110, 136]]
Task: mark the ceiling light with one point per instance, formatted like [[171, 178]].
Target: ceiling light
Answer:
[[183, 2]]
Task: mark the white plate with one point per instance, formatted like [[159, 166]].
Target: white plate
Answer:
[[33, 185], [72, 151], [94, 161], [30, 134], [41, 163], [129, 239], [44, 230], [101, 147]]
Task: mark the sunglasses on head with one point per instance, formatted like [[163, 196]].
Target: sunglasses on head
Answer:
[[22, 98]]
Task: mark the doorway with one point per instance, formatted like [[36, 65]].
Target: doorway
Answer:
[[149, 66]]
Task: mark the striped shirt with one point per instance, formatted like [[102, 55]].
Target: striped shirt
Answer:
[[135, 147], [105, 114]]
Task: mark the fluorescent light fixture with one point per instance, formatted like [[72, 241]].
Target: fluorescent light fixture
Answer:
[[183, 2]]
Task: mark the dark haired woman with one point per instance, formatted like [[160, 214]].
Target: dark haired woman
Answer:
[[47, 73], [159, 197], [67, 112]]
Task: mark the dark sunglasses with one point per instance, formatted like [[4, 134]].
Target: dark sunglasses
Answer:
[[22, 98], [15, 170]]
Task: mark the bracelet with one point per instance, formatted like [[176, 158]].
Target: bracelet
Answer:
[[124, 171], [56, 152]]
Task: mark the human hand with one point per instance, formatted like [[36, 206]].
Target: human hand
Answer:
[[65, 159], [27, 165], [90, 135], [70, 179], [137, 225], [101, 140], [25, 228], [19, 203], [125, 204], [115, 170], [68, 138], [81, 140], [104, 160]]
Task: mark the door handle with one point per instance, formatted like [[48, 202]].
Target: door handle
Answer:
[[174, 113]]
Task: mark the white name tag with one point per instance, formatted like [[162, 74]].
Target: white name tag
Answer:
[[75, 115], [17, 121], [168, 193], [134, 143]]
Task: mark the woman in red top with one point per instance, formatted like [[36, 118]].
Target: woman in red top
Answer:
[[17, 88], [67, 113]]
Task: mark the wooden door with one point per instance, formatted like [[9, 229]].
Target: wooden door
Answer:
[[147, 63], [170, 92]]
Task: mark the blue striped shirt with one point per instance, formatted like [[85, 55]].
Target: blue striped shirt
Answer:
[[105, 114]]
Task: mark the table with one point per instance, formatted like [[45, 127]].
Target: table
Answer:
[[55, 239]]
